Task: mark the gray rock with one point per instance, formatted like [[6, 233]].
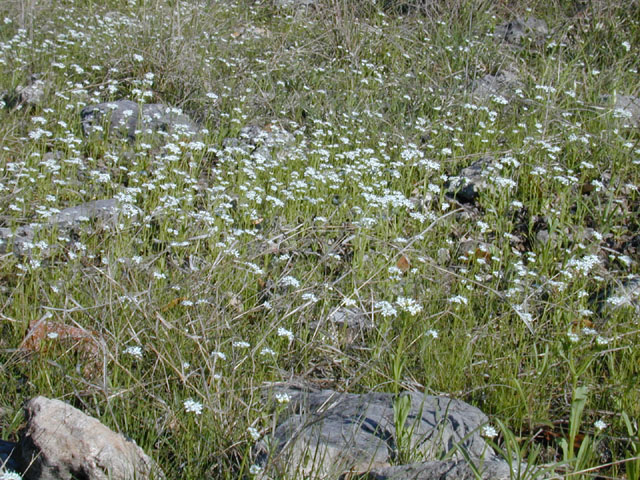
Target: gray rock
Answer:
[[471, 180], [347, 324], [20, 241], [126, 117], [441, 470], [295, 4], [515, 31], [261, 144], [625, 295], [626, 107], [328, 434], [60, 442], [503, 84], [33, 93], [108, 211]]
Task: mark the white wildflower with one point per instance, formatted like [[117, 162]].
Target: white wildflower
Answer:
[[283, 332], [134, 351], [254, 433], [600, 425], [282, 397], [192, 406], [489, 432]]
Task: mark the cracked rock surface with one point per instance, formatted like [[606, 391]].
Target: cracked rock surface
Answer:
[[328, 434]]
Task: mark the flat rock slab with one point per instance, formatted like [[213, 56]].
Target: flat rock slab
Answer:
[[261, 144], [626, 107], [626, 295], [108, 211], [127, 118], [441, 470], [328, 434], [503, 84], [60, 442], [346, 323], [519, 29]]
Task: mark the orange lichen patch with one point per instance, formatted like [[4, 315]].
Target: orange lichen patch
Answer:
[[403, 264], [42, 332], [579, 324], [173, 303]]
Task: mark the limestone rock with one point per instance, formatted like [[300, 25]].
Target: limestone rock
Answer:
[[503, 84], [60, 442], [515, 31], [30, 94], [441, 470], [328, 434], [107, 211], [626, 295], [20, 241], [346, 323], [471, 180], [261, 144], [126, 117], [33, 93], [625, 107]]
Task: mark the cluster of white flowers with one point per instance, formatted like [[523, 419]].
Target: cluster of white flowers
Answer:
[[192, 406]]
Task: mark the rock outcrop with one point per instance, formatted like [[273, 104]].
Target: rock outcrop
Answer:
[[329, 434]]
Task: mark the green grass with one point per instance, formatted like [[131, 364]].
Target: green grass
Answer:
[[378, 103]]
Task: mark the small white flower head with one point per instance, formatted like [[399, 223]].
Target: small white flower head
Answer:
[[192, 406], [626, 45], [138, 58], [282, 398], [309, 297], [241, 344], [409, 305], [266, 351], [459, 299], [219, 355], [52, 335], [489, 431], [600, 340], [432, 333], [386, 309], [255, 469], [254, 433], [573, 337], [600, 425], [186, 365], [289, 281], [283, 332], [134, 351], [10, 475]]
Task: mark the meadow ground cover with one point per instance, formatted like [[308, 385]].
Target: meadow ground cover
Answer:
[[211, 283]]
